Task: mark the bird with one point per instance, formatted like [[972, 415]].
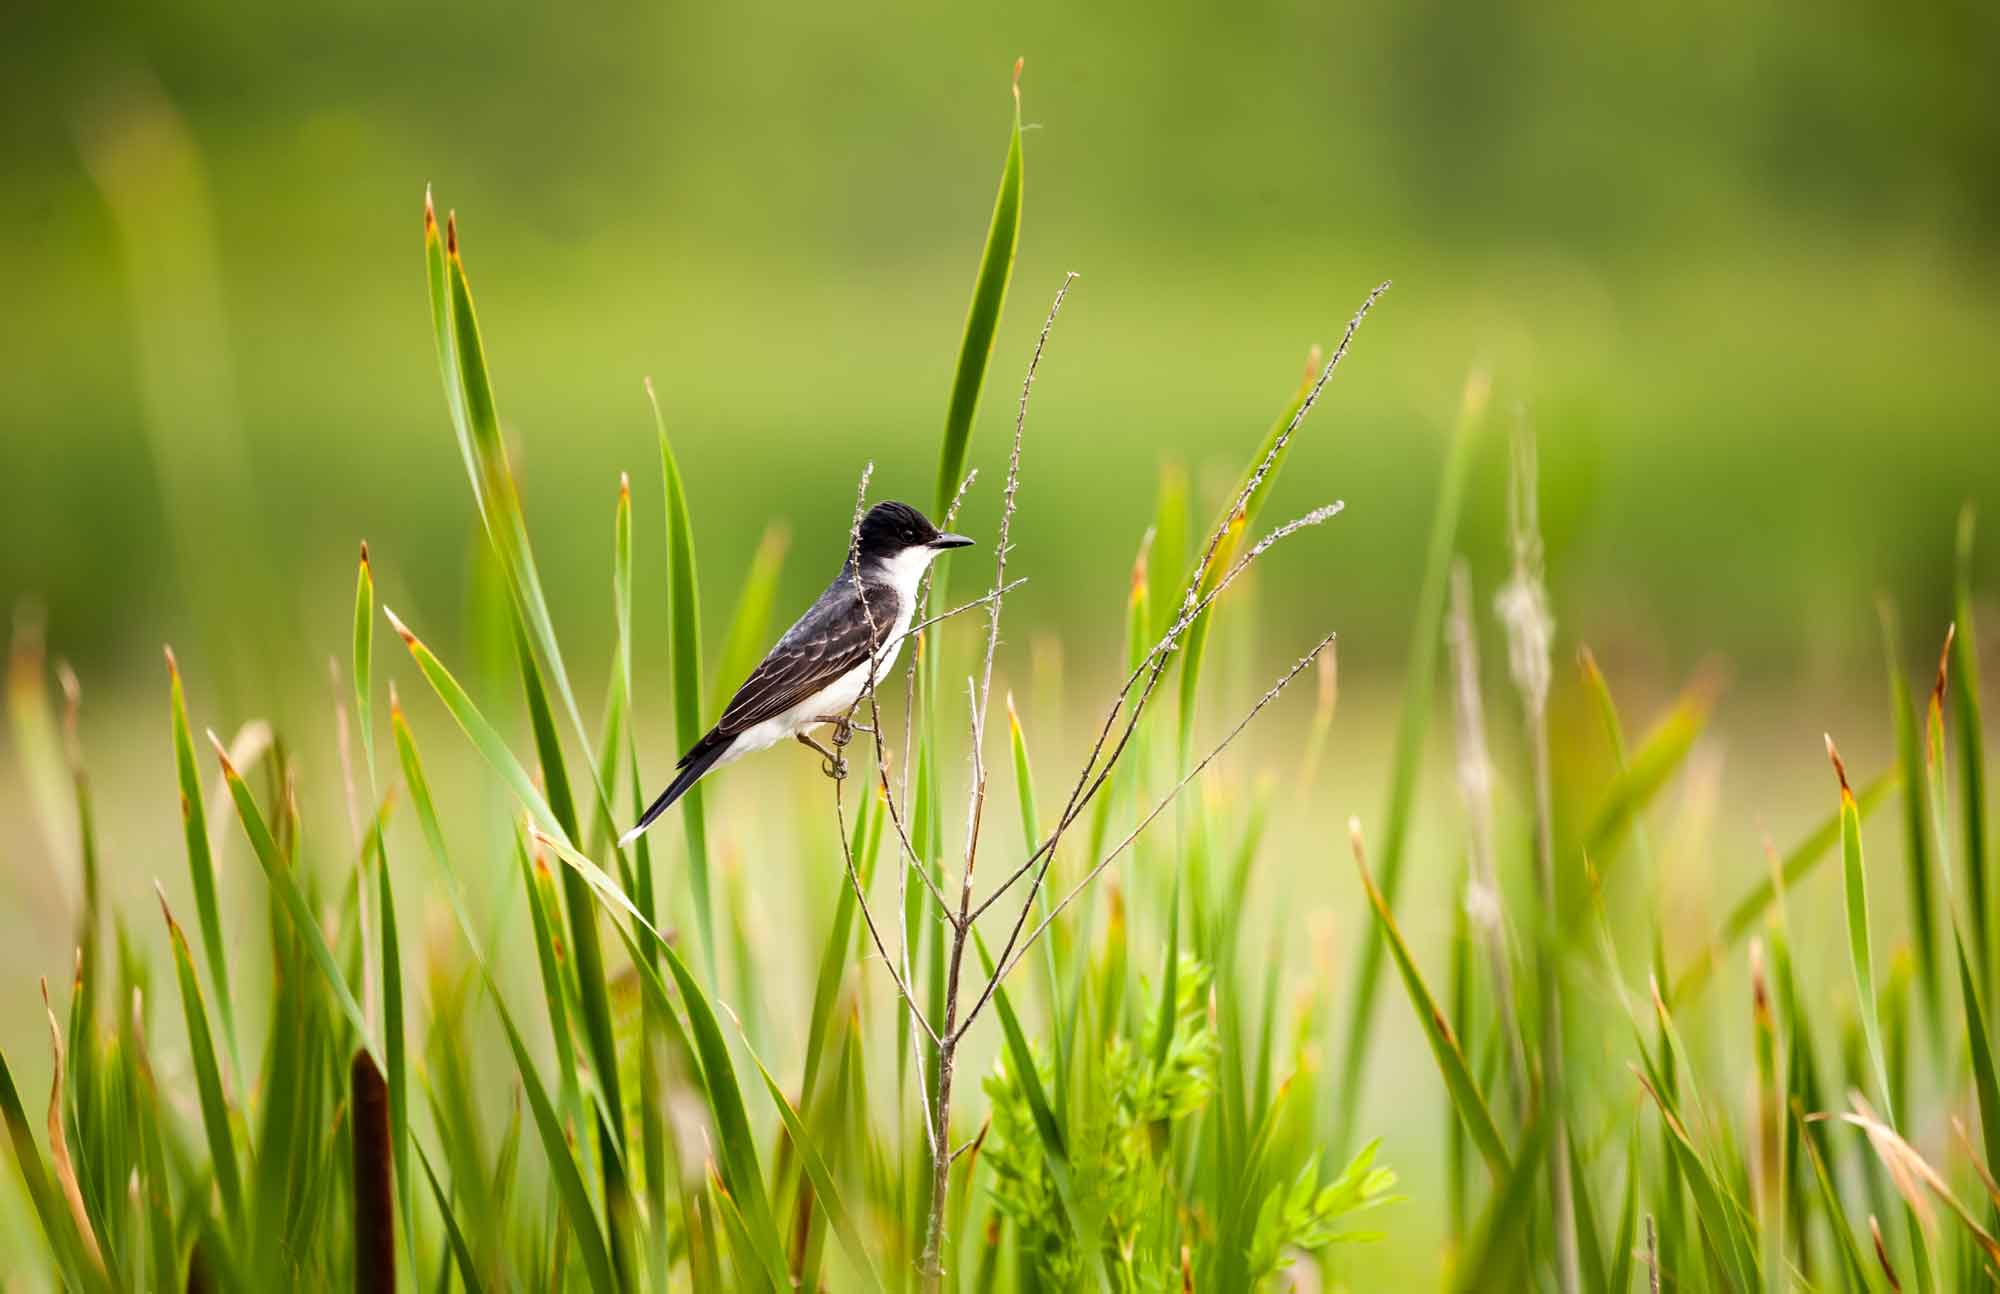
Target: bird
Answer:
[[820, 667]]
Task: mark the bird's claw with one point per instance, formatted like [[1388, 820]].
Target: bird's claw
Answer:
[[834, 767]]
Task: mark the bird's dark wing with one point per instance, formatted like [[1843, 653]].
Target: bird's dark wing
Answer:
[[830, 639]]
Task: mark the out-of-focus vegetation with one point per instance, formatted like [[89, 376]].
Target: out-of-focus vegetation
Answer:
[[1736, 270], [1738, 262]]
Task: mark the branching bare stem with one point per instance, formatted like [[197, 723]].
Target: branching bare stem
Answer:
[[1112, 740]]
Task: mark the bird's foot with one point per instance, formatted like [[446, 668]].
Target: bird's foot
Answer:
[[831, 762]]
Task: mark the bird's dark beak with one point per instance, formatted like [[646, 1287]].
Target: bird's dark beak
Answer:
[[951, 541]]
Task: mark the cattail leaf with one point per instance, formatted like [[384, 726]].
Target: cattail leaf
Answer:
[[1624, 1242], [42, 1192], [1494, 1259], [1458, 1080], [1919, 865], [836, 955], [1964, 649], [208, 1079], [837, 1215], [573, 1196], [484, 739], [1854, 872], [749, 633], [739, 1146], [1649, 768], [461, 1253], [544, 914], [279, 872], [982, 317], [1412, 725], [1795, 865], [684, 661], [1836, 1216], [201, 861], [469, 398], [1275, 446]]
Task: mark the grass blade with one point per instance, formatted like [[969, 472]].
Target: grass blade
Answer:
[[749, 635], [1972, 756], [278, 870], [1859, 945], [1750, 910], [1411, 727], [982, 317], [837, 1214], [571, 1192], [684, 660], [1458, 1079], [201, 861], [208, 1079]]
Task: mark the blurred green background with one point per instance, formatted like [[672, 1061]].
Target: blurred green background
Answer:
[[1738, 266]]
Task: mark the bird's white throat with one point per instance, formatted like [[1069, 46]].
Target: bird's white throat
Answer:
[[906, 570]]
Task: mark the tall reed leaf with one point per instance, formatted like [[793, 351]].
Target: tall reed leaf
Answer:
[[469, 397], [278, 870], [1972, 757], [570, 1189], [1233, 526], [684, 657], [1411, 728], [982, 317], [201, 862], [208, 1079], [1458, 1079], [1860, 952]]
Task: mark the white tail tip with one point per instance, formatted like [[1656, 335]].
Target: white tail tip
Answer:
[[633, 835]]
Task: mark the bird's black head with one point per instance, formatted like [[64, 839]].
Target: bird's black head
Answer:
[[892, 528]]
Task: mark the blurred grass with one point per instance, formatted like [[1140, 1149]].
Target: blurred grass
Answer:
[[1738, 303], [1699, 269]]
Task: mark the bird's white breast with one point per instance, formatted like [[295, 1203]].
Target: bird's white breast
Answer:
[[904, 572]]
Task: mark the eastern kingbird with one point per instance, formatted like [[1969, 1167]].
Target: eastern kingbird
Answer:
[[820, 667]]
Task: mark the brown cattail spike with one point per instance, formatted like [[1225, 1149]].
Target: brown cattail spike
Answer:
[[374, 1206]]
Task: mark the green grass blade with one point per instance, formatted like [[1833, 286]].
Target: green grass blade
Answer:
[[1979, 1046], [364, 657], [1972, 756], [1750, 910], [208, 1079], [461, 1252], [837, 1215], [279, 872], [1411, 728], [739, 1145], [469, 395], [749, 635], [1859, 944], [1640, 778], [571, 1192], [1625, 1240], [1233, 525], [684, 658], [982, 317], [1495, 1257], [592, 986], [1458, 1079], [484, 739], [1916, 830], [1836, 1216], [837, 955], [201, 863]]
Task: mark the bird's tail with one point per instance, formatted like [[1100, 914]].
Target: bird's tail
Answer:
[[693, 765]]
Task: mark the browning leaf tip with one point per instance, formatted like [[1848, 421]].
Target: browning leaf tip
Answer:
[[451, 234], [1839, 768], [402, 630]]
